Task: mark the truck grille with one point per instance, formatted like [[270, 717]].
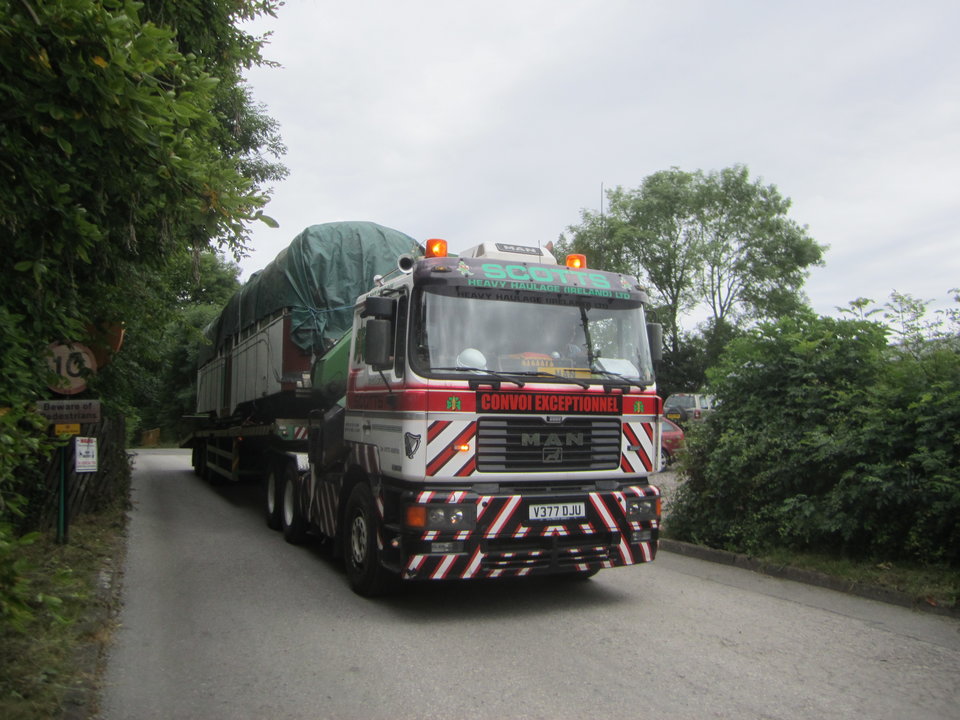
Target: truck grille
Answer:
[[531, 444]]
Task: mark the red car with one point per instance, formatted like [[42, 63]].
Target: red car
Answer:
[[671, 440]]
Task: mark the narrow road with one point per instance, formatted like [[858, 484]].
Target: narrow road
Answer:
[[223, 619]]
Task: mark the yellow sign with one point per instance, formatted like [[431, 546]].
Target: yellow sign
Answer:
[[67, 428]]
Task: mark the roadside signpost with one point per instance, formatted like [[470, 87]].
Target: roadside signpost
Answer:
[[66, 417]]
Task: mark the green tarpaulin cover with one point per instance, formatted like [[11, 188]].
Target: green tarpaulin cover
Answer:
[[319, 276]]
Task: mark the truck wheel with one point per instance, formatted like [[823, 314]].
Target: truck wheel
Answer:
[[366, 575], [664, 459], [292, 517], [200, 460], [195, 459], [272, 497]]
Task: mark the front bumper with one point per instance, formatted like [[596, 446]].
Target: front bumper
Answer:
[[507, 543]]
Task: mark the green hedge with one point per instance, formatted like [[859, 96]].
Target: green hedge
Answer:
[[828, 439]]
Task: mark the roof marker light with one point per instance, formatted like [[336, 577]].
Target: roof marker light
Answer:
[[436, 248], [576, 261]]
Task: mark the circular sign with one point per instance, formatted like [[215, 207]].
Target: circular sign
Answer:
[[71, 363]]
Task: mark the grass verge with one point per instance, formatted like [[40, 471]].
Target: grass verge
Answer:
[[936, 586], [47, 671]]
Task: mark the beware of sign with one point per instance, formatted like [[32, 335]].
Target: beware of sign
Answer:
[[70, 411]]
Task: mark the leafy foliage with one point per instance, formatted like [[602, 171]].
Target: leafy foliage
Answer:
[[112, 148], [152, 381], [128, 144], [827, 439], [22, 439]]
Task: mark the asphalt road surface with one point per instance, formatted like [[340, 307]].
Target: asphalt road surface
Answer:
[[223, 619]]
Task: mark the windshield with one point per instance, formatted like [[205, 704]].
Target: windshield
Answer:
[[597, 340]]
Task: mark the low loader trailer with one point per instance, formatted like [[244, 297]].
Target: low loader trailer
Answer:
[[433, 417]]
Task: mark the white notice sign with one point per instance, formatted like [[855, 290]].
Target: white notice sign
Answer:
[[86, 454]]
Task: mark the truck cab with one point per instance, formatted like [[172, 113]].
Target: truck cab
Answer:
[[501, 417]]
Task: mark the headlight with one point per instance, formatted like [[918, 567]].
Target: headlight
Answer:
[[643, 508], [441, 517]]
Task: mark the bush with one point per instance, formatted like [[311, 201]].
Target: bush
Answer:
[[24, 448], [828, 440]]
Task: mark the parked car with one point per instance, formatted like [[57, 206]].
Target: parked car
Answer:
[[686, 407], [671, 440]]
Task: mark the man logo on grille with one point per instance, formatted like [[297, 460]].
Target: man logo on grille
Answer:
[[552, 454], [535, 439]]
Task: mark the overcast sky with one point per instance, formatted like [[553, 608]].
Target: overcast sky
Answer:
[[501, 120]]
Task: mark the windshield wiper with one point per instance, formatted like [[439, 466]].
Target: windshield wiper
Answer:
[[495, 373], [543, 373], [626, 380]]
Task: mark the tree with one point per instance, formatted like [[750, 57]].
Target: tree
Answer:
[[755, 257], [651, 232], [115, 153], [126, 140], [715, 239], [208, 29], [153, 379]]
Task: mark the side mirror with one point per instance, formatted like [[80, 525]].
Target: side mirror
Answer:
[[377, 346], [655, 336]]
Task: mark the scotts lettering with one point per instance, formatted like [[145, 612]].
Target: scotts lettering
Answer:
[[514, 402], [539, 274]]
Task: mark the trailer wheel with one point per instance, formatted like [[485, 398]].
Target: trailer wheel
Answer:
[[272, 497], [201, 468], [366, 575], [293, 519]]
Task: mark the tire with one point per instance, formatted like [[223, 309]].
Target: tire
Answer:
[[201, 470], [664, 459], [292, 518], [273, 496], [367, 577]]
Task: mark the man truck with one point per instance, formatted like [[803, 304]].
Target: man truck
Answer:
[[486, 415]]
